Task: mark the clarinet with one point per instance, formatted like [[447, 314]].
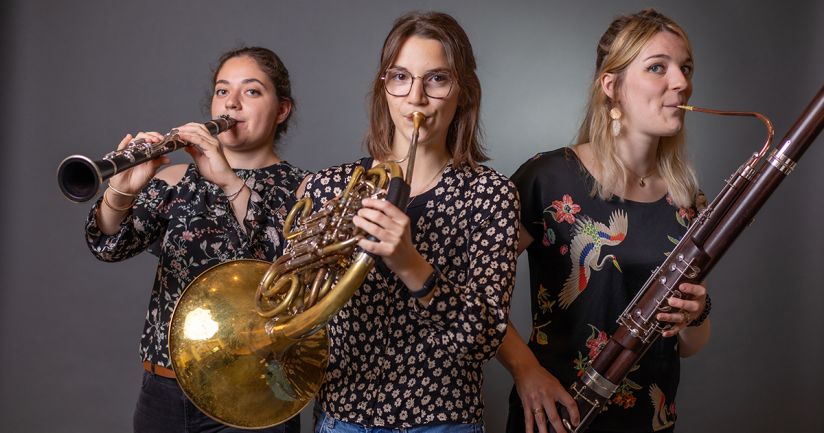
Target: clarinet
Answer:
[[692, 259], [79, 177]]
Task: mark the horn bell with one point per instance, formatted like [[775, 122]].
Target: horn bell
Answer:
[[227, 362]]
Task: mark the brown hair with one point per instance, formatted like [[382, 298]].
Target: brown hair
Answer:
[[618, 47], [273, 67], [463, 139]]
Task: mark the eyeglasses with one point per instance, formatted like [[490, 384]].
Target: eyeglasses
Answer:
[[436, 84]]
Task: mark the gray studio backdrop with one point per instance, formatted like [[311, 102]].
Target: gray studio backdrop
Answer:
[[79, 75]]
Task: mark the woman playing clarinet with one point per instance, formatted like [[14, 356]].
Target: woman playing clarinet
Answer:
[[229, 204]]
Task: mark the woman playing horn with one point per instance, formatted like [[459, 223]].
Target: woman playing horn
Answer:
[[407, 350], [228, 205], [597, 218]]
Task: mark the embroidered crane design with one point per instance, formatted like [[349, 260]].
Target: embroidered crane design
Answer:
[[663, 413], [585, 253]]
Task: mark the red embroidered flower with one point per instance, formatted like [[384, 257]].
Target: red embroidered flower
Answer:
[[565, 209], [596, 343], [564, 249], [624, 400], [549, 236], [687, 213]]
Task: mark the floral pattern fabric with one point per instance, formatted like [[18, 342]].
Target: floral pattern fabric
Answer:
[[394, 363], [192, 227], [589, 259]]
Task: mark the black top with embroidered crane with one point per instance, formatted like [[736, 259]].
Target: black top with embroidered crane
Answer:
[[588, 259]]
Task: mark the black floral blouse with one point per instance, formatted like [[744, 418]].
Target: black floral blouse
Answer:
[[588, 259], [395, 363], [191, 227]]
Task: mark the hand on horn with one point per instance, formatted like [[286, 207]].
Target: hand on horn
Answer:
[[391, 227]]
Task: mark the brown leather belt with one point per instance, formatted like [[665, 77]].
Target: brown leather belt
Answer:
[[159, 370]]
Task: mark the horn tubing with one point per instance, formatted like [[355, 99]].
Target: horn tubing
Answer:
[[273, 346]]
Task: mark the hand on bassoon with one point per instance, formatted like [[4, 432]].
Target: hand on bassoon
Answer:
[[540, 392], [685, 309]]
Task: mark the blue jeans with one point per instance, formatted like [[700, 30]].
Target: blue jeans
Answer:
[[325, 423], [163, 408]]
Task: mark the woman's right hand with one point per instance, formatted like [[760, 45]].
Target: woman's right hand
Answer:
[[133, 180], [119, 197], [540, 391]]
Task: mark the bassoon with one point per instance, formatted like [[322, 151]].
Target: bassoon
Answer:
[[692, 259]]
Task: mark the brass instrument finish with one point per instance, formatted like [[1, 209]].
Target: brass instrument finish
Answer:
[[253, 358], [222, 353]]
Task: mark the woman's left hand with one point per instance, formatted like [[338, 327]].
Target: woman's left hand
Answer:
[[208, 156], [686, 308], [390, 226]]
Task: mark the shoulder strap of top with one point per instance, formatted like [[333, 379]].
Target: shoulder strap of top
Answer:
[[366, 162]]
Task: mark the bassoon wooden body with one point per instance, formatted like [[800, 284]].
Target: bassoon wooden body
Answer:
[[699, 250]]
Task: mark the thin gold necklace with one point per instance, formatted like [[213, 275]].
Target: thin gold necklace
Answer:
[[428, 184], [642, 179]]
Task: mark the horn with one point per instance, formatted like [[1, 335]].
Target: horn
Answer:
[[247, 338]]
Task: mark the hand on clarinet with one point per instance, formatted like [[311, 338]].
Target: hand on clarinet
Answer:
[[540, 394], [124, 187], [208, 155], [685, 309], [129, 183]]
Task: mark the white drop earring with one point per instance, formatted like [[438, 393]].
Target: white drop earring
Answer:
[[615, 115]]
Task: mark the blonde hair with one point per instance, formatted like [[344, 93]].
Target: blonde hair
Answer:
[[618, 47]]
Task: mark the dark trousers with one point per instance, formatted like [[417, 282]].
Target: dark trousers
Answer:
[[163, 408]]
